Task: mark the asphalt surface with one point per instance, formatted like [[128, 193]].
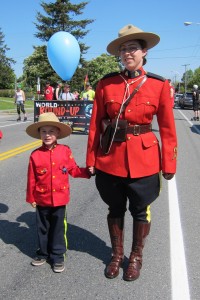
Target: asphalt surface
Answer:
[[88, 239]]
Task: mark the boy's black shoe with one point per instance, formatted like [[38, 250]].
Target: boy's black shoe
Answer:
[[19, 119], [25, 119], [197, 118], [58, 267], [37, 261]]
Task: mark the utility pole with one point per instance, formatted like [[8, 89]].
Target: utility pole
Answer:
[[185, 76]]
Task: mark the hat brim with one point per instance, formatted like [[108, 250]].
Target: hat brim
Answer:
[[33, 129], [151, 39]]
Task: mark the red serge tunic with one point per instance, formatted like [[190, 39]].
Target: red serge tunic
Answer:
[[138, 156], [48, 180]]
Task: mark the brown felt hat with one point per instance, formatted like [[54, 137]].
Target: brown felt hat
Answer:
[[48, 119], [131, 32]]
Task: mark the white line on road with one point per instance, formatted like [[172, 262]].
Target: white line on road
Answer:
[[179, 277], [194, 125], [14, 124]]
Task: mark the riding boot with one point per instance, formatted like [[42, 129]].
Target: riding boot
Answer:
[[140, 232], [116, 230]]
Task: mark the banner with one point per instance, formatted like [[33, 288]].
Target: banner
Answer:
[[77, 114]]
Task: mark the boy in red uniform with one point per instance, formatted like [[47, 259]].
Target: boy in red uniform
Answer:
[[48, 188]]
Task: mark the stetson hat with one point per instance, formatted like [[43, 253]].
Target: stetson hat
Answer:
[[130, 32], [48, 119]]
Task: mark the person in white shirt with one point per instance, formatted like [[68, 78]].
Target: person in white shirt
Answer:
[[66, 94], [19, 100]]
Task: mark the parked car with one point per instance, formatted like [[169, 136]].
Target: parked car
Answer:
[[186, 100], [176, 99]]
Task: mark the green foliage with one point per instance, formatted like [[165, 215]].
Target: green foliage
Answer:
[[7, 76], [58, 16]]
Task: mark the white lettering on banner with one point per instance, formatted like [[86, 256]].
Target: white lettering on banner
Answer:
[[46, 104]]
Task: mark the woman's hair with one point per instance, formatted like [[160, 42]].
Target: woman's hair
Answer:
[[143, 45]]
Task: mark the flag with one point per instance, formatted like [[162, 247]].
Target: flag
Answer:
[[85, 81]]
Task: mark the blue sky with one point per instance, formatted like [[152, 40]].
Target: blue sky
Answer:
[[179, 45]]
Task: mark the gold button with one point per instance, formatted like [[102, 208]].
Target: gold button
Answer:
[[53, 163], [42, 190], [53, 176], [129, 110], [128, 138], [111, 100], [155, 142], [148, 102], [54, 190]]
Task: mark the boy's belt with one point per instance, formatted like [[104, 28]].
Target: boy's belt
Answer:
[[139, 129]]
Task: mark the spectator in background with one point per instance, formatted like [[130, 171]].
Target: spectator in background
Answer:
[[76, 95], [88, 93], [48, 91], [196, 100], [66, 94], [172, 92], [58, 91], [19, 100]]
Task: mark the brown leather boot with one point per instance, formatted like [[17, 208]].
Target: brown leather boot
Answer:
[[140, 232], [116, 230]]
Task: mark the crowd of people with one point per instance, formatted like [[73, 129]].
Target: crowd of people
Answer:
[[63, 92]]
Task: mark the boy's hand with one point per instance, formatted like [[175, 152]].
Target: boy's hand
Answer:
[[91, 171], [34, 204], [168, 176]]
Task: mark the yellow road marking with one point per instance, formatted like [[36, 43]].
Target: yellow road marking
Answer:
[[18, 150]]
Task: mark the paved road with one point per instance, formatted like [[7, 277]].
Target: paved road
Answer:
[[171, 256]]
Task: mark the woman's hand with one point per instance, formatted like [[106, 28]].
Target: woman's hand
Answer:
[[168, 176], [33, 204], [91, 170]]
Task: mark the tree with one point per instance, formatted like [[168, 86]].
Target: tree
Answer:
[[7, 76], [100, 66], [59, 16]]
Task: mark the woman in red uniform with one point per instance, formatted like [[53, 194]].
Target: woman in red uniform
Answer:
[[130, 170]]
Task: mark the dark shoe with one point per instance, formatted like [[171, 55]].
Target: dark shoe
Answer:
[[197, 118], [25, 119], [112, 269], [133, 271], [37, 261], [58, 267], [140, 232], [116, 230], [19, 119]]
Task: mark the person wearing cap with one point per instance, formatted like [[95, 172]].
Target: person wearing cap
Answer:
[[130, 171], [48, 91], [196, 102], [88, 93], [66, 94], [20, 100], [48, 188]]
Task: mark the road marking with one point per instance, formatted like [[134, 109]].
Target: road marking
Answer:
[[16, 123], [179, 277], [21, 149], [192, 124]]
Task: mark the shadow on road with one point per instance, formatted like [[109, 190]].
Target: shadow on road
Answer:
[[22, 234]]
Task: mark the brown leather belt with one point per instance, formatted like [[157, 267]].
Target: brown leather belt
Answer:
[[139, 129]]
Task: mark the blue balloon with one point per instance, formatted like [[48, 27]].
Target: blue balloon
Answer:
[[63, 53]]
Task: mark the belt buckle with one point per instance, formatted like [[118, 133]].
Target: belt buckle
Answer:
[[136, 132]]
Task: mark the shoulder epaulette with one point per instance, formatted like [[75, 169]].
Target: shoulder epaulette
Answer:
[[155, 76], [111, 75]]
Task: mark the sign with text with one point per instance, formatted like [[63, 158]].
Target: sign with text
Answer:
[[75, 113]]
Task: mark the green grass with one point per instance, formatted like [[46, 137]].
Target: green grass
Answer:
[[8, 103]]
